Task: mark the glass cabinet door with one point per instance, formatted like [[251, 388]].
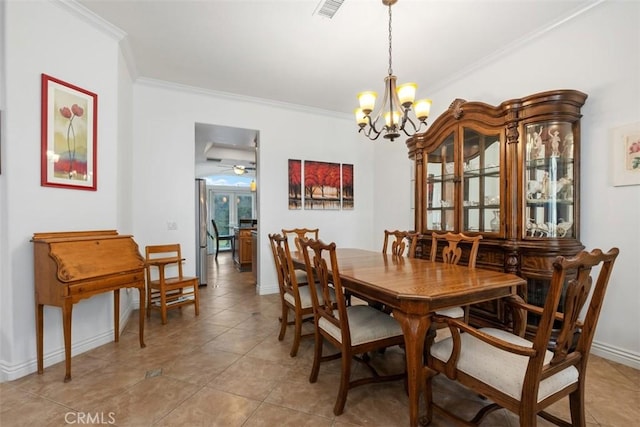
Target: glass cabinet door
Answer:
[[548, 182], [441, 198], [481, 182]]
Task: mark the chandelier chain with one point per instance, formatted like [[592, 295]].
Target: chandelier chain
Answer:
[[397, 104], [390, 68]]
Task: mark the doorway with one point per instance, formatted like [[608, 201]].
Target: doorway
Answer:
[[227, 208], [227, 159]]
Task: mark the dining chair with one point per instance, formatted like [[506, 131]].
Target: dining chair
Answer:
[[354, 330], [169, 288], [222, 238], [526, 376], [295, 293], [452, 254], [398, 245], [400, 240], [300, 233]]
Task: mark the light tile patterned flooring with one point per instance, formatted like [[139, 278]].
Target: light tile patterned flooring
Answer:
[[226, 367]]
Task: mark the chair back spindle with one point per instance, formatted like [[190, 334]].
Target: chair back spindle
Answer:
[[452, 253], [399, 243], [300, 233]]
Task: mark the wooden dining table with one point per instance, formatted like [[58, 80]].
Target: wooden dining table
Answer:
[[415, 288]]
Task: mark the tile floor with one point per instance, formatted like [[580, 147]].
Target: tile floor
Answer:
[[226, 367]]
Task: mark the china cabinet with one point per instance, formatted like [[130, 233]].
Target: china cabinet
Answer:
[[509, 172]]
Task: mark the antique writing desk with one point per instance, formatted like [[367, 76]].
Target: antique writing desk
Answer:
[[70, 266], [414, 288]]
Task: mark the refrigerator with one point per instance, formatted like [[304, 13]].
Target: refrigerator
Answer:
[[201, 230]]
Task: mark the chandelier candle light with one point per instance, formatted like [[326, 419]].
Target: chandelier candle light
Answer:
[[395, 107]]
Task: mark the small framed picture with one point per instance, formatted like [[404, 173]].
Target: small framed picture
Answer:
[[625, 153], [69, 136]]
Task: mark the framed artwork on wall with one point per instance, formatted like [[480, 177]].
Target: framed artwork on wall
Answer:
[[295, 184], [68, 136], [347, 186], [625, 153], [321, 185]]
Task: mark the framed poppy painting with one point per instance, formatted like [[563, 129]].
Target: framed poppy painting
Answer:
[[69, 136]]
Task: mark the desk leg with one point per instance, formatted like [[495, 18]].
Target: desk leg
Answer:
[[40, 336], [67, 308], [116, 315], [414, 328], [141, 321]]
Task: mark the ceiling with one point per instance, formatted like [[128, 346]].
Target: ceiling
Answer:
[[279, 50]]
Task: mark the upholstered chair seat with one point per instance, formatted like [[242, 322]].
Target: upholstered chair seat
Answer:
[[500, 369], [365, 325]]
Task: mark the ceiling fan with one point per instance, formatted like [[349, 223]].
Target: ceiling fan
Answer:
[[242, 169], [237, 167]]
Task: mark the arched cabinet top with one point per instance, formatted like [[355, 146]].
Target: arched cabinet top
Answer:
[[561, 104]]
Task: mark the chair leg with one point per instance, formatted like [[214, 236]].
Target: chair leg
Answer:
[[428, 398], [297, 334], [148, 301], [283, 321], [196, 298], [576, 405], [317, 355], [217, 248], [163, 306], [527, 415], [345, 376]]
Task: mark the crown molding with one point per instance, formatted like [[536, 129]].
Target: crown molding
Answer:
[[91, 18], [145, 81], [97, 22]]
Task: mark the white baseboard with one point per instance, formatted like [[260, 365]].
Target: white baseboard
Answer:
[[615, 354], [267, 290], [10, 372]]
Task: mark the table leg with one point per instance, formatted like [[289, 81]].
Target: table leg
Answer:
[[40, 336], [116, 315], [414, 328], [67, 308], [141, 321]]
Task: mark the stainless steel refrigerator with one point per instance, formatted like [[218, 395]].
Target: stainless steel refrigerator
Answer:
[[201, 230]]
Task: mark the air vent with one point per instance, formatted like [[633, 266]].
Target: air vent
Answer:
[[328, 8]]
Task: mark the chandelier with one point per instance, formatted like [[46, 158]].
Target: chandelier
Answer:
[[395, 108]]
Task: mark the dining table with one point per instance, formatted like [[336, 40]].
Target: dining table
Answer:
[[414, 288]]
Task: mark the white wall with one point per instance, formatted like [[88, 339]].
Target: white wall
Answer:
[[43, 37], [597, 53], [6, 322], [394, 194], [163, 156]]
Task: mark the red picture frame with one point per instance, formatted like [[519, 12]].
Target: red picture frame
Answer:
[[68, 136]]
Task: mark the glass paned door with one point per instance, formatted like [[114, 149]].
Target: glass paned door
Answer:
[[549, 210], [221, 210], [227, 208], [481, 182], [244, 206], [441, 198]]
